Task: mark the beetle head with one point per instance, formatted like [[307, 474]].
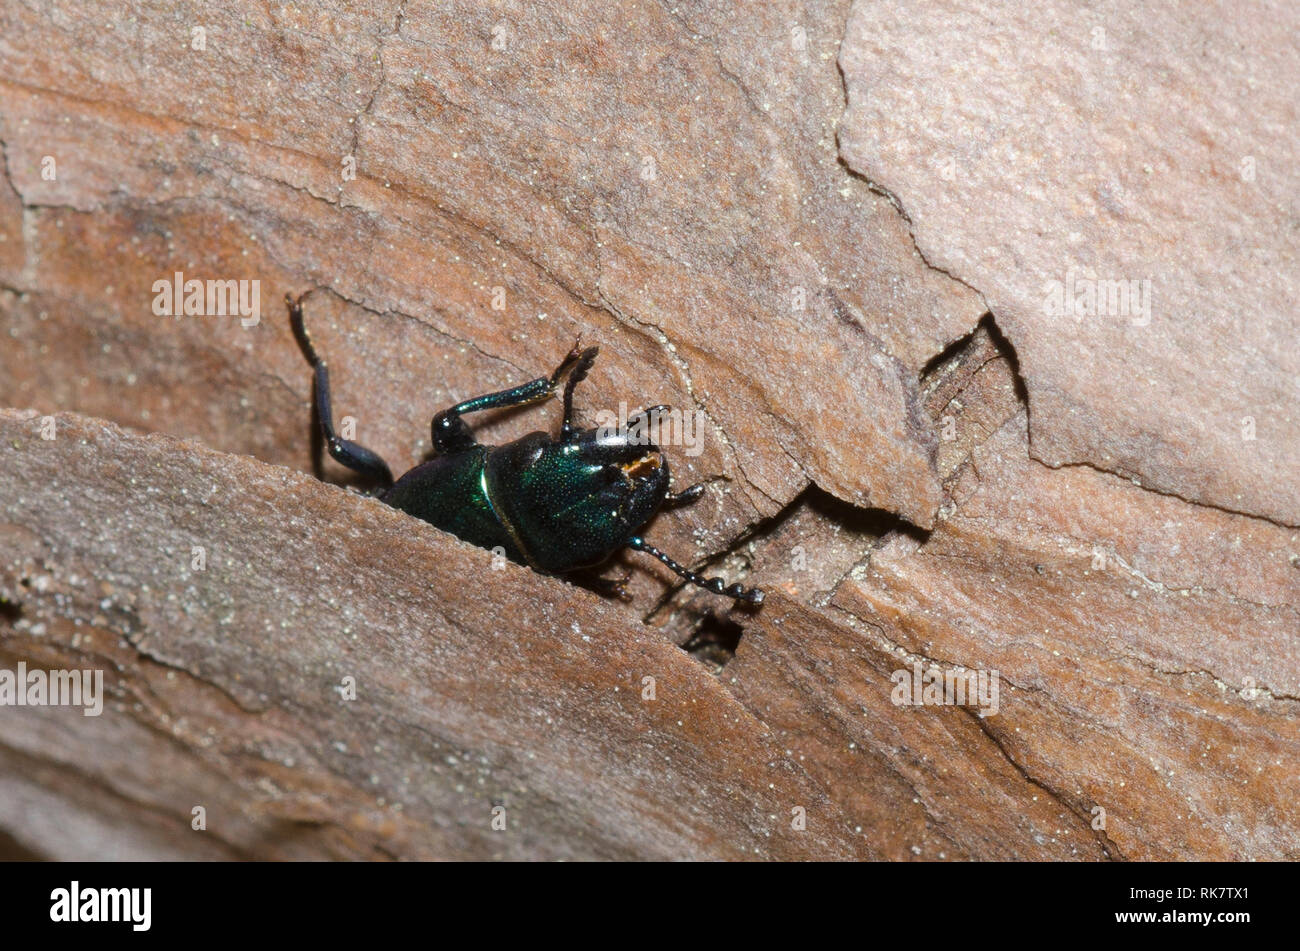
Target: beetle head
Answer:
[[574, 501]]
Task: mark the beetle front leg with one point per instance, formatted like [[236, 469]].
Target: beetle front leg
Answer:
[[686, 496], [452, 434], [353, 455], [577, 366]]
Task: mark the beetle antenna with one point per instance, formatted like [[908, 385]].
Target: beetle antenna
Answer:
[[716, 585]]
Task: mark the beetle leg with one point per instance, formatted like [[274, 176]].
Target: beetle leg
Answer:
[[650, 414], [716, 585], [353, 455], [609, 587], [452, 434], [580, 368], [637, 428], [686, 496]]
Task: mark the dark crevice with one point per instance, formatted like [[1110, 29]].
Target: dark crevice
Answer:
[[854, 518], [11, 612], [1008, 352], [957, 352], [715, 640], [952, 352], [712, 636], [711, 633]]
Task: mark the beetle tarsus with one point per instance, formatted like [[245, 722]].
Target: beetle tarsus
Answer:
[[716, 585], [299, 328], [567, 363], [580, 368]]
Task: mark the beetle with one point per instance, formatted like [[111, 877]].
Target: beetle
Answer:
[[555, 505]]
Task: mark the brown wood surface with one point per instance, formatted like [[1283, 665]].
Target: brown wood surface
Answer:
[[805, 222]]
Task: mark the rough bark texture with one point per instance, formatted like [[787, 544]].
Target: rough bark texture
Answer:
[[1135, 161], [922, 466]]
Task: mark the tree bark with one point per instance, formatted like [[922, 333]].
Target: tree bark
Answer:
[[827, 234]]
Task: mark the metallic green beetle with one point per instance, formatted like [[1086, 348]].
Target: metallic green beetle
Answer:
[[553, 504]]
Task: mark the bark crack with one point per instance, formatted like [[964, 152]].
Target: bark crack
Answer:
[[1167, 493]]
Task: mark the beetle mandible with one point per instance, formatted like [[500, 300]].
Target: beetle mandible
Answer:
[[553, 504]]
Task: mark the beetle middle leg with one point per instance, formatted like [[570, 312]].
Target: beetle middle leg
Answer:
[[609, 587], [451, 433], [353, 455]]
